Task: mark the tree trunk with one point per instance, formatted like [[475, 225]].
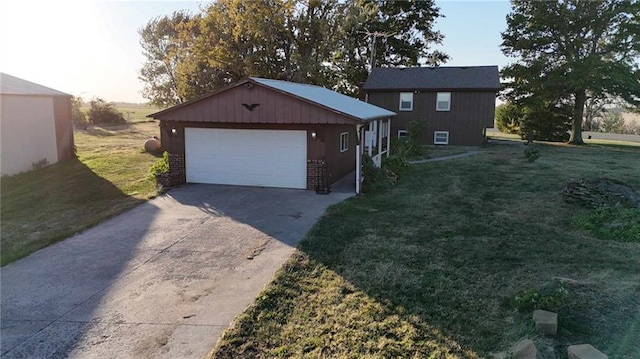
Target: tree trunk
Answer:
[[578, 111]]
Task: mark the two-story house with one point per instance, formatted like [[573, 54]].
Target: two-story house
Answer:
[[456, 103]]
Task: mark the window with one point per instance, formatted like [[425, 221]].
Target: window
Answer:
[[403, 134], [406, 101], [344, 141], [443, 101], [441, 137]]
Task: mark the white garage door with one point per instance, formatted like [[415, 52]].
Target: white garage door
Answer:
[[267, 158]]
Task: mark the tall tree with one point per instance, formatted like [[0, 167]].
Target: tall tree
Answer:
[[321, 42], [567, 48], [164, 52], [401, 33]]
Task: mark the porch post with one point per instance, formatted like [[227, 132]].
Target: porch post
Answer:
[[388, 137]]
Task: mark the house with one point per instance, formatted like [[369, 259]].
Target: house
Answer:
[[456, 103], [35, 123], [269, 133]]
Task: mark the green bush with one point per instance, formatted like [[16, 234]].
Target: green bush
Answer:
[[102, 112], [548, 298], [396, 164], [376, 179], [531, 154], [508, 117], [161, 166], [404, 148], [547, 122], [78, 117]]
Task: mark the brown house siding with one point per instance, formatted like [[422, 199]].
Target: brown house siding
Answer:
[[325, 148], [64, 128], [469, 115], [274, 107]]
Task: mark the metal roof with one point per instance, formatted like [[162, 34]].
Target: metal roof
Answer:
[[434, 78], [11, 85], [328, 98]]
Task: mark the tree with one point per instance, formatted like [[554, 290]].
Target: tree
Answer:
[[548, 121], [508, 118], [565, 49], [102, 112], [613, 122], [400, 31], [322, 42], [161, 46], [78, 117]]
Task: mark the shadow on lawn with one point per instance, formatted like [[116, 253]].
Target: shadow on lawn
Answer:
[[49, 298]]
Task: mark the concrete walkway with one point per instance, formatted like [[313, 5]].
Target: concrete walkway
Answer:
[[160, 281], [447, 158]]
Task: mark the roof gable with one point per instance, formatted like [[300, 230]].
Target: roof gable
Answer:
[[11, 85], [349, 109], [474, 78]]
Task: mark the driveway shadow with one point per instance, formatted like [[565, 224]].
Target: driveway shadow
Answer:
[[40, 290]]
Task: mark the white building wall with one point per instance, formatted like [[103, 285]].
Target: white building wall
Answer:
[[27, 132]]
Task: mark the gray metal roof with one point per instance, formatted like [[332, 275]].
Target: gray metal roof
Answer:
[[11, 85], [434, 78], [328, 98]]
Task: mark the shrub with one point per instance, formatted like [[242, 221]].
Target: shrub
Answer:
[[396, 164], [550, 298], [547, 122], [102, 112], [161, 166], [404, 148], [376, 179], [508, 117], [78, 117], [531, 154]]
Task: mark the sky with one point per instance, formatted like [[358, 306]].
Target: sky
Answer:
[[91, 49]]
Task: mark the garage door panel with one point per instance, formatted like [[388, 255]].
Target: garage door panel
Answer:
[[269, 158]]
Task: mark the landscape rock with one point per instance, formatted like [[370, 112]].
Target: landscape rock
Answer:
[[546, 322], [585, 351], [525, 349]]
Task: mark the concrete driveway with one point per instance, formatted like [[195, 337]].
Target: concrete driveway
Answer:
[[162, 280]]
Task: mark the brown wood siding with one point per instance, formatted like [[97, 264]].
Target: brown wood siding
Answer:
[[326, 145], [339, 164], [64, 127], [469, 115], [274, 107]]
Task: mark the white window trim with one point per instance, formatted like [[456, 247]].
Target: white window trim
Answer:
[[435, 136], [400, 108], [346, 142], [404, 132], [448, 102]]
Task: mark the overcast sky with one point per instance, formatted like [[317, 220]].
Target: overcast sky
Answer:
[[92, 49]]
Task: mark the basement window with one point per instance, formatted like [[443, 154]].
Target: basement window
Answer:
[[344, 141], [443, 101], [403, 134], [406, 101], [441, 137]]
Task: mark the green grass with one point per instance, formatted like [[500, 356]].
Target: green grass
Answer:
[[45, 206], [431, 269]]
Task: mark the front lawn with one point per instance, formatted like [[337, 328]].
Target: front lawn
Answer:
[[44, 206], [439, 266]]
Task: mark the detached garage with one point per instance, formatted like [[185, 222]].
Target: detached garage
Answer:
[[267, 133], [35, 123]]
